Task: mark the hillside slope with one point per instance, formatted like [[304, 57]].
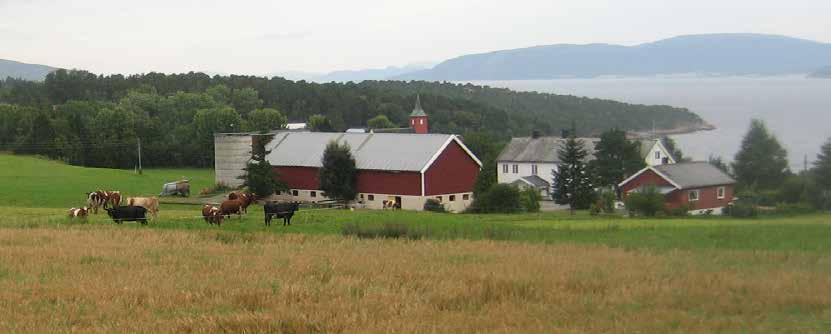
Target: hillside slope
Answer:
[[723, 54], [18, 70], [35, 182]]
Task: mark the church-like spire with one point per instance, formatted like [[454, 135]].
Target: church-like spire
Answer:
[[417, 111]]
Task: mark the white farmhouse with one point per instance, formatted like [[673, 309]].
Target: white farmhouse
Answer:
[[530, 161]]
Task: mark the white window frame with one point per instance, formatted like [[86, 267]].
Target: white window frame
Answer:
[[515, 169], [690, 196], [721, 192], [534, 170], [504, 168]]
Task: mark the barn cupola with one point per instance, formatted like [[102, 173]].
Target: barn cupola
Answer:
[[418, 118]]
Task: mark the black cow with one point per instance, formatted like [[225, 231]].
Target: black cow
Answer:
[[280, 210], [121, 214]]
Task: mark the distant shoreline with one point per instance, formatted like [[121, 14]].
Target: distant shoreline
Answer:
[[681, 130]]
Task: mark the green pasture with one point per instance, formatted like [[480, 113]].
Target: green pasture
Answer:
[[41, 183]]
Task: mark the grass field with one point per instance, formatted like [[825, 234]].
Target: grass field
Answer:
[[470, 273]]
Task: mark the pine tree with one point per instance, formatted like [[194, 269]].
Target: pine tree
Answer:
[[572, 178], [616, 158], [260, 178], [338, 175], [761, 163], [822, 167]]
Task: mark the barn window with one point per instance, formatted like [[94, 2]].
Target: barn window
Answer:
[[505, 168], [278, 192], [313, 193], [452, 198], [516, 169], [295, 193], [693, 195], [371, 197], [439, 198], [421, 121], [533, 169], [720, 193], [466, 197], [362, 196]]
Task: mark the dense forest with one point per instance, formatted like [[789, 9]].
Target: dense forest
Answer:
[[96, 120]]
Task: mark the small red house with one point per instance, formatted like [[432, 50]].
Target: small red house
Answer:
[[699, 185], [404, 167]]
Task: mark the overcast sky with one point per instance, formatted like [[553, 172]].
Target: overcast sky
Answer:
[[258, 37]]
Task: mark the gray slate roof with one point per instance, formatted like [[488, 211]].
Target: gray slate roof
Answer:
[[373, 151], [542, 149], [536, 181], [694, 174]]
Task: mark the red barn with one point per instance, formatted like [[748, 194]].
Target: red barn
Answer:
[[699, 185], [407, 168]]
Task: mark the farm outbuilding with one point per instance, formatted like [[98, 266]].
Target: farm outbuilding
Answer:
[[698, 186], [406, 168]]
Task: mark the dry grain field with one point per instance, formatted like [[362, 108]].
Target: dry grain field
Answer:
[[333, 271]]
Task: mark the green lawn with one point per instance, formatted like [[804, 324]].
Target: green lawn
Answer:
[[33, 182]]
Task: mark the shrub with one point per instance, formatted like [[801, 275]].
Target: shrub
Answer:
[[794, 209], [500, 198], [530, 199], [647, 202], [433, 205], [386, 231], [681, 211], [607, 201], [742, 209]]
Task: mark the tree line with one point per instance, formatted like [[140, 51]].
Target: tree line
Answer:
[[96, 120]]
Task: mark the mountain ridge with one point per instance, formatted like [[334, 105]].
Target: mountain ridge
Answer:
[[21, 70], [721, 54]]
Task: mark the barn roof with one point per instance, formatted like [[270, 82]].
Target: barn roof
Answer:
[[687, 175], [541, 149], [372, 151]]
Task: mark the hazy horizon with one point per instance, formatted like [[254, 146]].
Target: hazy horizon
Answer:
[[260, 37]]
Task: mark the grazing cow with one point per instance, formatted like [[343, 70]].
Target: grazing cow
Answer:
[[280, 210], [149, 203], [231, 206], [79, 213], [211, 214], [102, 199], [121, 214], [245, 196]]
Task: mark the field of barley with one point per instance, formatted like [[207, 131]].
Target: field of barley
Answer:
[[545, 273]]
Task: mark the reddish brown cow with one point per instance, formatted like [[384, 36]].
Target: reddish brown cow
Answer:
[[211, 214], [245, 196], [231, 206]]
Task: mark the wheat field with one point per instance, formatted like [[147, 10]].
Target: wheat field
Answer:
[[106, 279]]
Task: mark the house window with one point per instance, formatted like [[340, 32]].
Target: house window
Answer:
[[693, 195], [294, 193], [720, 193], [466, 197], [452, 198], [370, 197], [516, 169], [533, 169], [505, 168], [439, 199], [657, 155], [313, 193]]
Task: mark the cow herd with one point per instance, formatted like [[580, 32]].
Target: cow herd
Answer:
[[137, 208]]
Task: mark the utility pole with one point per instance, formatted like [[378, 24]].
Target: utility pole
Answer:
[[139, 155]]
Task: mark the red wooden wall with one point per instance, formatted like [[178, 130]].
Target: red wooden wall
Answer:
[[454, 171]]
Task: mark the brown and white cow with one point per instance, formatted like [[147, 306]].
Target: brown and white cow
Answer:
[[78, 213], [103, 199], [149, 203], [211, 214], [245, 197], [231, 206]]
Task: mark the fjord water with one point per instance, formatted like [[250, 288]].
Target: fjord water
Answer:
[[796, 109]]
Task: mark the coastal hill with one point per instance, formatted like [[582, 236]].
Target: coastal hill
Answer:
[[18, 70], [713, 54], [823, 73]]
